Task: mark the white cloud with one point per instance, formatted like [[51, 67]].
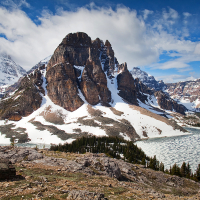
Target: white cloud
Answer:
[[186, 14], [146, 13], [173, 14], [197, 49], [174, 78], [16, 4], [182, 63], [133, 40]]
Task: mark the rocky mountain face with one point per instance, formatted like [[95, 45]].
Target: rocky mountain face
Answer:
[[65, 78], [83, 86], [147, 79], [147, 84], [166, 103], [25, 99], [187, 91], [79, 65]]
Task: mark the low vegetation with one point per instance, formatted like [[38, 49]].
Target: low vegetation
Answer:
[[121, 149]]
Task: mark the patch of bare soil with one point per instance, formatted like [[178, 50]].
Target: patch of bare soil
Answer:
[[52, 117], [116, 112], [94, 112]]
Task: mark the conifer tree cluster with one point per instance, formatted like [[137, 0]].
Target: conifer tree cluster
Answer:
[[121, 149], [112, 146], [185, 171]]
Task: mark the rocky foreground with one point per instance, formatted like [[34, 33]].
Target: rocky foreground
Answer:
[[43, 174]]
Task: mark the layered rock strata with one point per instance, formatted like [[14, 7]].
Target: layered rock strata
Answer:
[[65, 78]]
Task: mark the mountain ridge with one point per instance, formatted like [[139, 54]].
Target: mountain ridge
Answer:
[[10, 72], [186, 93], [84, 90]]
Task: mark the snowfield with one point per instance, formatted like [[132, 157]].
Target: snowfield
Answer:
[[145, 126]]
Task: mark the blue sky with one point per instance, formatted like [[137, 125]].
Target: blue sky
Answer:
[[160, 37]]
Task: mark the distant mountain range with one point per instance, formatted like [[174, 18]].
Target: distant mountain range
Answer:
[[186, 93], [147, 79]]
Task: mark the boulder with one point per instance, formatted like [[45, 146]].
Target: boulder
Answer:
[[7, 170], [84, 195]]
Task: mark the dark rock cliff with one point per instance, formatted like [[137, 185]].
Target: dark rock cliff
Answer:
[[169, 104], [64, 79], [126, 85]]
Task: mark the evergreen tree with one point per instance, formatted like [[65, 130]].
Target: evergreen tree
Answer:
[[197, 174], [161, 167], [175, 170], [153, 163], [188, 171], [183, 170], [143, 161]]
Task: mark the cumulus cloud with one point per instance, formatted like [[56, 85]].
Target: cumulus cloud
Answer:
[[133, 40], [29, 43]]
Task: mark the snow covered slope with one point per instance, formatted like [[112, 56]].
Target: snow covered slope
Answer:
[[53, 124], [41, 63], [83, 90], [10, 72]]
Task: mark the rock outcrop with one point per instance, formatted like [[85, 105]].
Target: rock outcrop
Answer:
[[126, 85], [65, 77], [85, 195], [7, 170], [169, 104], [25, 99], [16, 154]]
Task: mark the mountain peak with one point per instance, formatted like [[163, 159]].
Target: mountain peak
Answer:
[[84, 90], [10, 72], [147, 79]]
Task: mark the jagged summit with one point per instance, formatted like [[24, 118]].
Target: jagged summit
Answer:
[[147, 79], [84, 90]]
